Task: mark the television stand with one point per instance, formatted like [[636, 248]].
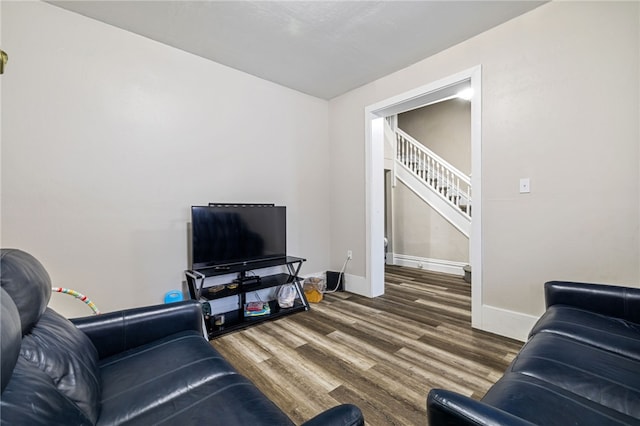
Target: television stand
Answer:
[[243, 279], [219, 323]]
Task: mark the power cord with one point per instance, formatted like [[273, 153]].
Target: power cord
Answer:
[[340, 275]]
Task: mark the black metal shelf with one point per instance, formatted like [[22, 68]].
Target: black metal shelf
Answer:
[[235, 320], [233, 289], [212, 271]]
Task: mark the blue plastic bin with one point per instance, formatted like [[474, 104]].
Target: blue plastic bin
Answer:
[[173, 296]]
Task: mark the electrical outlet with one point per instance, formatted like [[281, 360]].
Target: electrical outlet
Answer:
[[349, 254]]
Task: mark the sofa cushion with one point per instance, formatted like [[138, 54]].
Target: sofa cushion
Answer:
[[611, 334], [568, 378], [543, 404], [68, 357], [31, 398], [180, 379]]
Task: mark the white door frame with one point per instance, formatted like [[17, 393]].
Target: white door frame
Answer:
[[374, 178]]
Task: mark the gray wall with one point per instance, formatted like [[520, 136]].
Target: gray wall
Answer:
[[560, 105], [445, 128], [420, 231]]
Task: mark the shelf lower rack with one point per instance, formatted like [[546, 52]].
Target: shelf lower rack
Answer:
[[235, 320]]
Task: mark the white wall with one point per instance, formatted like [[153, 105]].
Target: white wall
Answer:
[[108, 138], [560, 106]]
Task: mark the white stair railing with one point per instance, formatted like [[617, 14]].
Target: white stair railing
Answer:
[[452, 185]]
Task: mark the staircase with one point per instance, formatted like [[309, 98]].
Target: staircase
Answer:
[[445, 188]]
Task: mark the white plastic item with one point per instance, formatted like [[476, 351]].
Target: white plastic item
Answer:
[[286, 296]]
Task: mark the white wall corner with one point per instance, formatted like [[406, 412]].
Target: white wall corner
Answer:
[[358, 285], [390, 259], [503, 322]]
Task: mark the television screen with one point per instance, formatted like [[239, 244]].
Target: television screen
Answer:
[[230, 234]]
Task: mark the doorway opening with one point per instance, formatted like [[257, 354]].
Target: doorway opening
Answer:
[[428, 214], [437, 91]]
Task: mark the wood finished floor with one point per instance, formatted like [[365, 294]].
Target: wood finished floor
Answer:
[[382, 354]]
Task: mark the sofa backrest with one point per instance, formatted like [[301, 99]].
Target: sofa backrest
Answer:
[[28, 284], [55, 367], [605, 299]]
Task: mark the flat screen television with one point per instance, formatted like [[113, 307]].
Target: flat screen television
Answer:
[[225, 235]]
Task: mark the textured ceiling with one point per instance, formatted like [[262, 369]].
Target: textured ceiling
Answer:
[[322, 48]]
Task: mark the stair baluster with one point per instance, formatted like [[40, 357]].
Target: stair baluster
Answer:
[[453, 185]]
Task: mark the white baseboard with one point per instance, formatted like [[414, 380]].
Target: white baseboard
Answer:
[[435, 265], [358, 285], [515, 325]]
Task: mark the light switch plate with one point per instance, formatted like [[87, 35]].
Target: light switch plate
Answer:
[[525, 186]]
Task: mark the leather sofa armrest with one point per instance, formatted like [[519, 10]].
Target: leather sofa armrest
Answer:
[[114, 332], [341, 415], [614, 301], [449, 408]]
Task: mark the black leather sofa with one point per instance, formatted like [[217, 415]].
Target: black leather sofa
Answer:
[[144, 366], [580, 366]]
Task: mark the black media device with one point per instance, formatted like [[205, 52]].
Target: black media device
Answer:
[[227, 235], [335, 281]]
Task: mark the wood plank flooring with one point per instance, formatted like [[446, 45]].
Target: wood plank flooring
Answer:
[[382, 354]]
